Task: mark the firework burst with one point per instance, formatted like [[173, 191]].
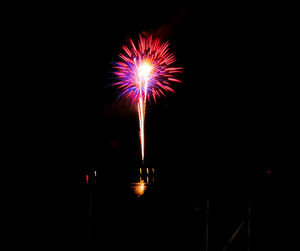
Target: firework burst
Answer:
[[145, 72]]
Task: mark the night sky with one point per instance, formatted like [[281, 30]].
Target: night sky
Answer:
[[221, 116], [216, 133]]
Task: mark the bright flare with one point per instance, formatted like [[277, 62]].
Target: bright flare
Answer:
[[145, 72]]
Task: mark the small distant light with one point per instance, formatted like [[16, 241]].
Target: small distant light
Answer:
[[87, 178], [269, 171], [95, 172]]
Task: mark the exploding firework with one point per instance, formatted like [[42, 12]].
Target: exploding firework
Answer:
[[145, 72]]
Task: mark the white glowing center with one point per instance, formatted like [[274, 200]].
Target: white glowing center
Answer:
[[144, 71]]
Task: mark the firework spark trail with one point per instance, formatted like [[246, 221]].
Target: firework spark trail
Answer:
[[144, 73], [141, 111]]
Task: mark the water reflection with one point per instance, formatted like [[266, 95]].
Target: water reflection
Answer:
[[139, 187], [146, 179]]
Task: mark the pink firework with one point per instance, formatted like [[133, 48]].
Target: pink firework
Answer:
[[145, 72]]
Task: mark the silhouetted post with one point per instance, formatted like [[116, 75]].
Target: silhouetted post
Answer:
[[90, 214], [206, 232], [249, 226], [90, 205]]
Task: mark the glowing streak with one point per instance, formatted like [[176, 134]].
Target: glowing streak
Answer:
[[141, 111], [143, 72]]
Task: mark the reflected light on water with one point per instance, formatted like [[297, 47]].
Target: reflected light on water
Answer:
[[139, 188]]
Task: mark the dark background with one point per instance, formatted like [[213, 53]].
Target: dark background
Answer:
[[215, 137], [223, 112]]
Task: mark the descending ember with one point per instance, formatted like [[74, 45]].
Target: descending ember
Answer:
[[145, 73]]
